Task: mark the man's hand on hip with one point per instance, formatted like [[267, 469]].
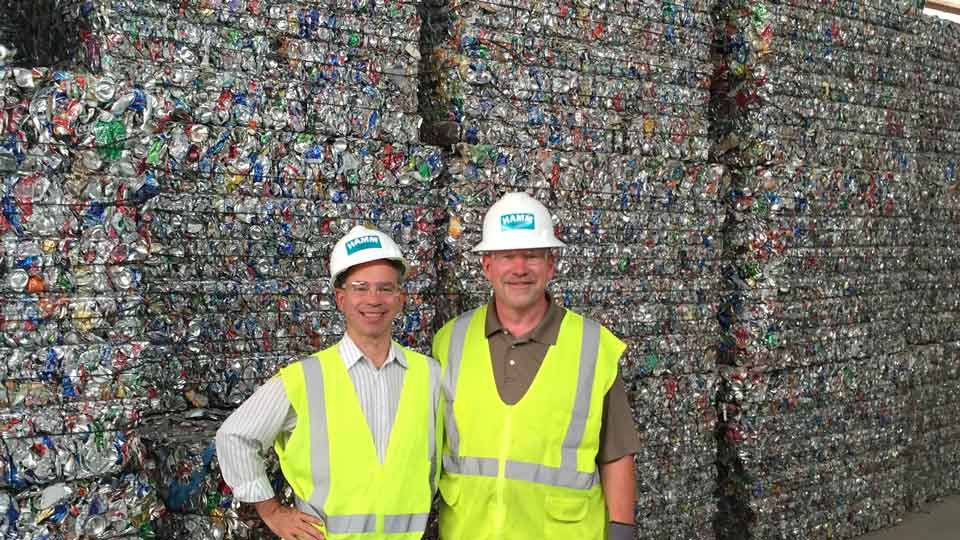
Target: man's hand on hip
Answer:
[[289, 523]]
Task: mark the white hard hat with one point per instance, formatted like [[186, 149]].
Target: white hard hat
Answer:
[[517, 221], [362, 245]]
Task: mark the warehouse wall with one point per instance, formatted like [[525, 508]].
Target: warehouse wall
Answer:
[[760, 198]]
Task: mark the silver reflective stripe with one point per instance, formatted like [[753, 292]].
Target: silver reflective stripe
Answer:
[[319, 443], [473, 466], [589, 348], [551, 476], [401, 523], [351, 523], [458, 338], [432, 434]]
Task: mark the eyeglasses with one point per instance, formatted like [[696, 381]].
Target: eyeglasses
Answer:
[[530, 256], [364, 288]]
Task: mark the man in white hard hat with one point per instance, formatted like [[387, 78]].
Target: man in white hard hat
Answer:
[[539, 438], [331, 416]]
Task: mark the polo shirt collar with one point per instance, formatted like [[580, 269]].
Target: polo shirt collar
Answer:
[[545, 332]]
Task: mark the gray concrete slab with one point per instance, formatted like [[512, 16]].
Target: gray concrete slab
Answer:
[[941, 521]]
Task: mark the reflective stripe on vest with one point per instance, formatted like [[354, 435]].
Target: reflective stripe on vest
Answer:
[[458, 339], [567, 474], [518, 470], [432, 446], [400, 523], [355, 523], [367, 523], [319, 457]]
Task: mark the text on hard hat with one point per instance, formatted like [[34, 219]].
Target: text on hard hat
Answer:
[[517, 221], [361, 243]]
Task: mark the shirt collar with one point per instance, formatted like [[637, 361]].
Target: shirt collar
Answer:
[[351, 354], [545, 332]]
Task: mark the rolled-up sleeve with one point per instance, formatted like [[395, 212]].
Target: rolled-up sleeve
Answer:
[[249, 432]]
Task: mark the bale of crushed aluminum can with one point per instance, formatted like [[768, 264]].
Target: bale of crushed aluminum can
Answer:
[[180, 458]]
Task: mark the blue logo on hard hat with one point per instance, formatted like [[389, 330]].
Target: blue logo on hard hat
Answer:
[[517, 222], [361, 243]]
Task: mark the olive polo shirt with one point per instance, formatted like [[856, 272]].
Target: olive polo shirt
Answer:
[[516, 360]]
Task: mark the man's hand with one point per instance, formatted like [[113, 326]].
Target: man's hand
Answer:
[[289, 523]]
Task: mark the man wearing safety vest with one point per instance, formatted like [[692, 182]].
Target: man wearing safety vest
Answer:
[[539, 437], [354, 425]]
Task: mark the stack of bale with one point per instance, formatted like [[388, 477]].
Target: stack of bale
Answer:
[[77, 379], [932, 284], [170, 207], [786, 209], [182, 462], [814, 118]]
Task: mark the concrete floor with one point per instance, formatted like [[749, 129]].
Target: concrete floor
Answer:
[[941, 521]]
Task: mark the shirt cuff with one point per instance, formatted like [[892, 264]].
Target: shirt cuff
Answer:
[[254, 491], [620, 531]]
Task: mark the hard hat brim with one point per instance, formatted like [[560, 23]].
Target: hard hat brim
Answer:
[[401, 260], [542, 244]]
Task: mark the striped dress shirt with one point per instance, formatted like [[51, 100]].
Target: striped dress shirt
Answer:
[[267, 414]]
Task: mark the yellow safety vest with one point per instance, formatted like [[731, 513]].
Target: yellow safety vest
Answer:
[[524, 471], [330, 460]]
